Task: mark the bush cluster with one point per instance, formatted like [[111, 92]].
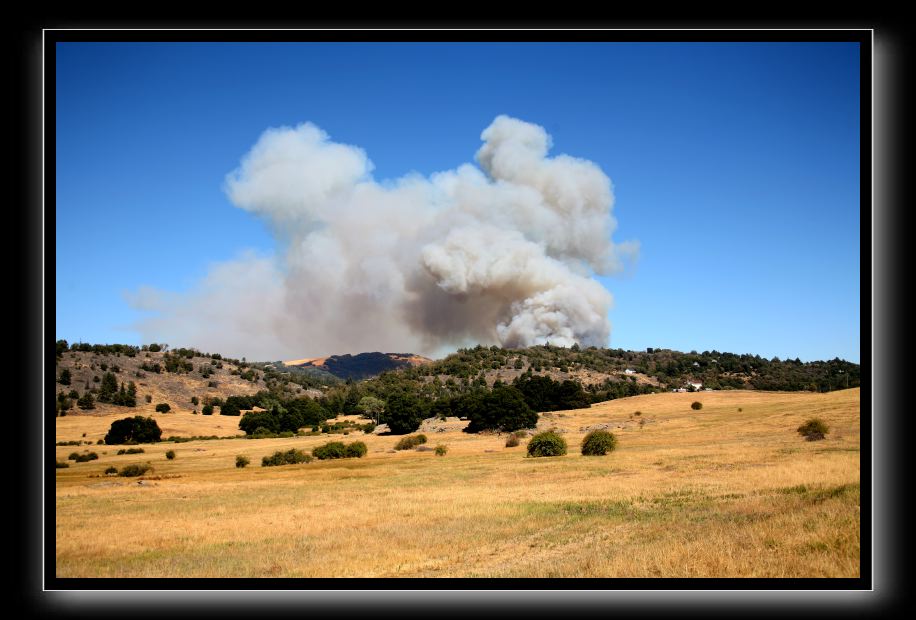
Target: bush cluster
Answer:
[[290, 457], [598, 443], [547, 443], [131, 451], [410, 441], [83, 458], [132, 471], [337, 450], [241, 461]]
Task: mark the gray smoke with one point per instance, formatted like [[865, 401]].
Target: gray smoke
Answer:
[[501, 254]]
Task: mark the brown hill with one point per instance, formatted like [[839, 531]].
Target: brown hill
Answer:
[[220, 378], [361, 365]]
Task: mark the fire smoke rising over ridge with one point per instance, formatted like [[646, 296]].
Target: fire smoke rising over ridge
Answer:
[[503, 254]]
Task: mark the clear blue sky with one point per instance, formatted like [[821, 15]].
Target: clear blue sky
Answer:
[[736, 167]]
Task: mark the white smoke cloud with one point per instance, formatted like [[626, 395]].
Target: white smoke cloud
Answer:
[[501, 254]]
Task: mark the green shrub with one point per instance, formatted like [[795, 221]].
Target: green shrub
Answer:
[[111, 470], [547, 443], [356, 450], [598, 443], [131, 451], [83, 458], [290, 457], [814, 429], [170, 455], [132, 471], [441, 449], [330, 450], [410, 441], [261, 432], [62, 464], [696, 405], [163, 408], [241, 461]]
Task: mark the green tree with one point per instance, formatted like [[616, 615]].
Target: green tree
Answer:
[[136, 429], [503, 409], [108, 388], [403, 412], [65, 377], [86, 401], [372, 407]]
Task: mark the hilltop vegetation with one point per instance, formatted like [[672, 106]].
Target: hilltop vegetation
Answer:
[[494, 388]]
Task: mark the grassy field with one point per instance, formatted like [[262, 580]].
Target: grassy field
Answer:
[[719, 492]]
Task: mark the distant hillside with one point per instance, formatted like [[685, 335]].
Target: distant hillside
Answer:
[[360, 366], [133, 380], [621, 372], [173, 377]]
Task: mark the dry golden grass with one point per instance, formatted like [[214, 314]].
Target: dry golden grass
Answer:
[[709, 493]]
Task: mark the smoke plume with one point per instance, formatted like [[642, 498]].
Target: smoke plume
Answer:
[[501, 254]]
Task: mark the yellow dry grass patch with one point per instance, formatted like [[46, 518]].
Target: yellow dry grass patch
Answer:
[[709, 493]]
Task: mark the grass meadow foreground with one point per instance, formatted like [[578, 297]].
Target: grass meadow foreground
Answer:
[[730, 490]]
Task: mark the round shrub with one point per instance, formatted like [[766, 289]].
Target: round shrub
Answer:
[[598, 443], [814, 429], [696, 405], [410, 441], [241, 461], [163, 408], [62, 464], [512, 440], [547, 443], [330, 450], [170, 455], [356, 449], [441, 449], [111, 470]]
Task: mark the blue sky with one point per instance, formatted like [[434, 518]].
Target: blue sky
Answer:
[[735, 166]]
